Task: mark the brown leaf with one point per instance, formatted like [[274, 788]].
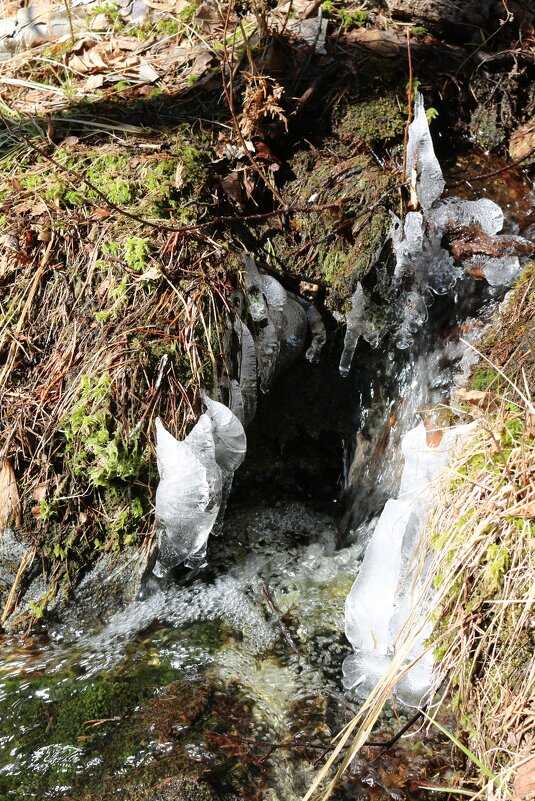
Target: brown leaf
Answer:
[[384, 43], [522, 140], [10, 510], [477, 397], [179, 175], [524, 784]]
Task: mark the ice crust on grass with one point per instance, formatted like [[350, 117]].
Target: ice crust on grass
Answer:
[[383, 593], [195, 479]]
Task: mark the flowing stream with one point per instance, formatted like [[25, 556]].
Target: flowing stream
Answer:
[[211, 674]]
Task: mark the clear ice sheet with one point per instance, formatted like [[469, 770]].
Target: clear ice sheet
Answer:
[[195, 480], [188, 496], [383, 593]]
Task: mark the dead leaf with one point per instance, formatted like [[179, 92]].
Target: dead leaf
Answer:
[[39, 492], [147, 74], [179, 175], [522, 140], [94, 82], [233, 188], [152, 274], [524, 784], [10, 510], [384, 43], [433, 437]]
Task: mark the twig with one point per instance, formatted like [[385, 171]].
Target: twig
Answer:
[[491, 174], [27, 559], [409, 107], [284, 631]]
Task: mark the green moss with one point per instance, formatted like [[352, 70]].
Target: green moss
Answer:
[[136, 252], [93, 448], [374, 119], [485, 128], [484, 378]]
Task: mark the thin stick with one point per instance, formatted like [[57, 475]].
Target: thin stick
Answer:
[[409, 107]]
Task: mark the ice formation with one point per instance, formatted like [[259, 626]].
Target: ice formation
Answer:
[[230, 445], [359, 323], [195, 479], [319, 334], [423, 265], [379, 602], [422, 160], [246, 369], [188, 496], [282, 321]]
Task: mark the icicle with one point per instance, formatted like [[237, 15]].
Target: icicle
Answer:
[[358, 324], [254, 286], [421, 157], [414, 316], [188, 496], [246, 369], [294, 332], [319, 334]]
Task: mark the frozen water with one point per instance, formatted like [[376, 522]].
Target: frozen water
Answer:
[[195, 480], [188, 495], [230, 448], [267, 354], [421, 158], [383, 593], [255, 294], [359, 323], [229, 436], [319, 334], [414, 316], [498, 272], [294, 332], [247, 370], [453, 212]]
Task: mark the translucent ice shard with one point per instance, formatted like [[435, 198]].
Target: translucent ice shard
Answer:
[[267, 354], [188, 496], [414, 316], [497, 271], [276, 298], [294, 331], [453, 212], [255, 291], [421, 158], [230, 444], [319, 334], [407, 241], [383, 593], [229, 437], [358, 323], [247, 369]]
